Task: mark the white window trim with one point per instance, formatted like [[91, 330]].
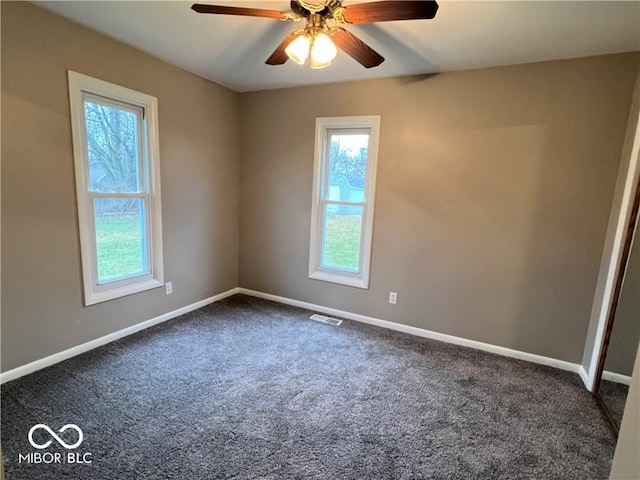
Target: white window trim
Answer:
[[93, 291], [359, 280]]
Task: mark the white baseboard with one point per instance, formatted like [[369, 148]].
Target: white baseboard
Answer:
[[420, 332], [616, 377], [606, 375], [98, 342]]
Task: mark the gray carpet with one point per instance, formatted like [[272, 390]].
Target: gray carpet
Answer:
[[249, 389], [614, 395]]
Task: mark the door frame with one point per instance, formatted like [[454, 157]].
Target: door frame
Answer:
[[618, 256]]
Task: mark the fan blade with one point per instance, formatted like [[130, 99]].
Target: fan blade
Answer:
[[279, 56], [247, 12], [357, 49], [390, 10]]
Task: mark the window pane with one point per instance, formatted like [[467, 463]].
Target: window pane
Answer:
[[347, 166], [341, 237], [112, 143], [120, 238]]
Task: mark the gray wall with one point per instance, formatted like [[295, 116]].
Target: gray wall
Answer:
[[42, 308], [493, 196]]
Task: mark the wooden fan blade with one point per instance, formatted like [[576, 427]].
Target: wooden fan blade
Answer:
[[357, 49], [279, 56], [390, 10], [247, 12]]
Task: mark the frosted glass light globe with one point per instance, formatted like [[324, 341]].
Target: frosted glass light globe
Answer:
[[323, 51], [298, 50]]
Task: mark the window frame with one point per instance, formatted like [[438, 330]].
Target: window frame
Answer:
[[81, 87], [324, 127]]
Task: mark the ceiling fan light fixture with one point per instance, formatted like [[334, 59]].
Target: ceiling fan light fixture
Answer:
[[298, 50], [302, 44], [323, 51]]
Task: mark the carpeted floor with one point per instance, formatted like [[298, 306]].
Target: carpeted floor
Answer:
[[249, 389], [614, 395]]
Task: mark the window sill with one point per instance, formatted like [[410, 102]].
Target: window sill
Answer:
[[93, 298], [340, 278]]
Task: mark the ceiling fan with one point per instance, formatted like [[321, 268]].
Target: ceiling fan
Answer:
[[318, 40]]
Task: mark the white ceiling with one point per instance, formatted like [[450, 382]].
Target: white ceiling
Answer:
[[231, 50]]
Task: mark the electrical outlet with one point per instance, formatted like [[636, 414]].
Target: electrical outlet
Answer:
[[168, 288], [393, 297]]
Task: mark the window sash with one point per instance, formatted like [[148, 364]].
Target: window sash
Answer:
[[142, 174], [326, 156], [345, 203], [147, 253], [142, 191], [323, 234]]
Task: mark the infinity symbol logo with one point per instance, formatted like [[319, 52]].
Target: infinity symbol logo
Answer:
[[53, 434]]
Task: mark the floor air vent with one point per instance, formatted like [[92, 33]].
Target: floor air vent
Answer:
[[327, 320]]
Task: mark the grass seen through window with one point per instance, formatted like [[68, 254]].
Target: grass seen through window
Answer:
[[342, 241], [119, 243]]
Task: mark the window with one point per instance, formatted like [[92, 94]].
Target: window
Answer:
[[343, 196], [115, 147]]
